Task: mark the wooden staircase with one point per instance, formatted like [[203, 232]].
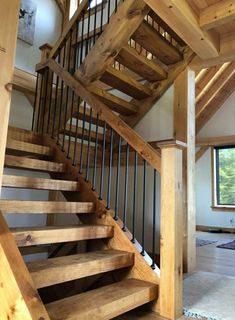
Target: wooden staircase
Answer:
[[27, 151]]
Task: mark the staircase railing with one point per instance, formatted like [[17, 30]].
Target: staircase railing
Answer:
[[120, 164]]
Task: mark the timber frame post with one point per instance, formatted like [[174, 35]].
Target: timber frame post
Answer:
[[171, 241], [43, 92], [184, 130], [9, 12]]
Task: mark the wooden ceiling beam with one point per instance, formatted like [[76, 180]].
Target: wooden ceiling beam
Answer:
[[217, 14], [184, 21], [62, 4], [215, 104], [226, 73], [216, 141]]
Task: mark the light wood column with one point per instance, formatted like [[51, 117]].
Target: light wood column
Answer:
[[171, 245], [184, 130], [9, 14]]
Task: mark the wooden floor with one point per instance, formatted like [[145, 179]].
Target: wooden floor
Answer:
[[213, 259]]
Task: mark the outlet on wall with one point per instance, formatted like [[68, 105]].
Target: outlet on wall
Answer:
[[231, 221]]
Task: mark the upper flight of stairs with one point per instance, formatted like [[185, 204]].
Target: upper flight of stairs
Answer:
[[26, 150]]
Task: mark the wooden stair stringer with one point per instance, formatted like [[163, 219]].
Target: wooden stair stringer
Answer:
[[19, 297], [121, 241]]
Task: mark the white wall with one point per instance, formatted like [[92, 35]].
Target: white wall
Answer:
[[221, 124], [47, 30]]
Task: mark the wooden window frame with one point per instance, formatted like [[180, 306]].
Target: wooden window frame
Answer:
[[215, 206]]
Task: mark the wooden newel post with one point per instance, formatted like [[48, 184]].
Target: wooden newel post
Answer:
[[42, 100], [171, 246]]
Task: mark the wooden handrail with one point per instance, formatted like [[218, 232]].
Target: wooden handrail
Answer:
[[70, 26], [129, 135]]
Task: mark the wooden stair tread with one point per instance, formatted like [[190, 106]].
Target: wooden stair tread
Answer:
[[115, 103], [24, 135], [79, 113], [78, 132], [124, 83], [19, 147], [48, 207], [11, 181], [154, 42], [52, 271], [57, 234], [136, 62], [33, 164], [105, 302]]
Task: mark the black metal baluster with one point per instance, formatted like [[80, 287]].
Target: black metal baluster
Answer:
[[65, 116], [134, 196], [108, 13], [82, 140], [61, 97], [95, 21], [35, 101], [50, 102], [70, 126], [110, 169], [102, 16], [82, 35], [76, 135], [76, 48], [118, 179], [55, 102], [154, 219], [144, 209], [89, 147], [95, 154], [126, 188], [116, 1], [88, 28], [40, 99], [45, 99], [102, 163]]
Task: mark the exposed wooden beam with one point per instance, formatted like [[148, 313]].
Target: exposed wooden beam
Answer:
[[227, 53], [9, 11], [122, 25], [217, 14], [216, 141], [24, 81], [215, 104], [228, 71], [184, 130], [171, 280], [183, 20], [62, 5]]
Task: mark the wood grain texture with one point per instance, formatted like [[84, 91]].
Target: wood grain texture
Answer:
[[117, 33], [129, 135], [19, 297], [154, 42], [138, 63], [57, 234], [57, 270], [124, 83], [104, 303], [24, 135], [27, 148], [10, 181], [9, 11], [33, 164], [182, 19], [49, 207]]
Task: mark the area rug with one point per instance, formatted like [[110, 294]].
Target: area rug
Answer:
[[202, 242], [209, 296], [229, 245]]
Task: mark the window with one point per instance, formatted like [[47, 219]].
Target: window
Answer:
[[95, 2], [224, 176]]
